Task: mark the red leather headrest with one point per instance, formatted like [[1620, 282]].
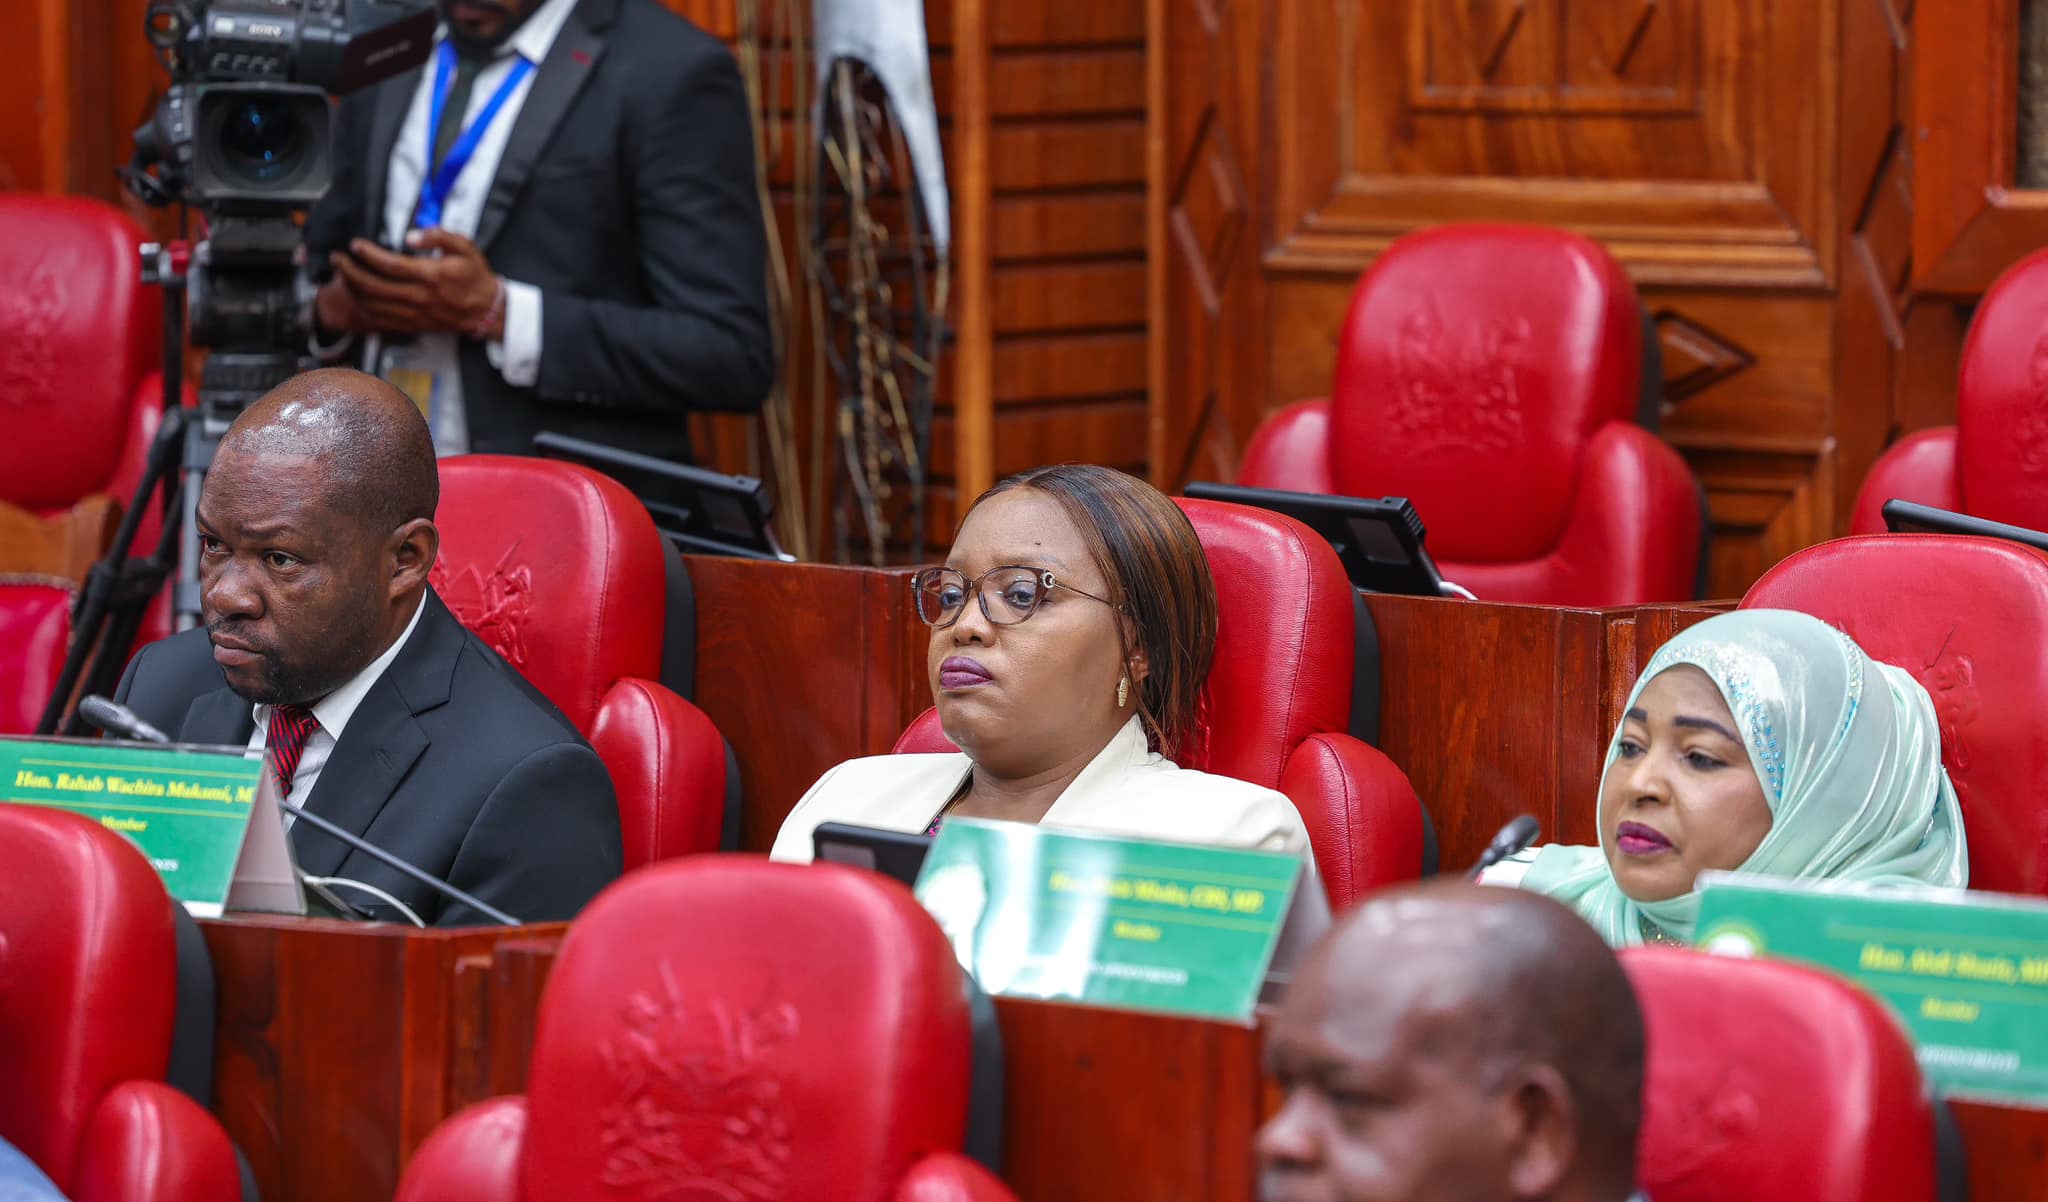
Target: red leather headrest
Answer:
[[1769, 1081], [79, 330], [1284, 638], [558, 568], [801, 1028], [1967, 618], [88, 975], [1475, 363], [2002, 400]]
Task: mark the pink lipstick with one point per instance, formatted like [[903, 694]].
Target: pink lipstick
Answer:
[[960, 672], [1635, 839]]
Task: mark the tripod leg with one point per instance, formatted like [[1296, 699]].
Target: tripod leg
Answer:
[[106, 591]]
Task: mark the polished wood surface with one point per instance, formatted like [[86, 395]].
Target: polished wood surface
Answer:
[[802, 666], [340, 1046], [63, 546]]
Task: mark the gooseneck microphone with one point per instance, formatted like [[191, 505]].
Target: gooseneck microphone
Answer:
[[118, 719], [1513, 837]]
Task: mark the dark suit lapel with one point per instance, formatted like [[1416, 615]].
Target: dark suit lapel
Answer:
[[382, 741], [555, 85], [219, 719], [394, 97]]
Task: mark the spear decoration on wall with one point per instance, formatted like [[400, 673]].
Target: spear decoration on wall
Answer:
[[879, 239], [856, 136]]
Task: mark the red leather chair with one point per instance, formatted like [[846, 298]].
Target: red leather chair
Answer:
[[1993, 463], [1490, 374], [1769, 1081], [1278, 698], [757, 1030], [87, 981], [560, 570], [81, 389], [1967, 617]]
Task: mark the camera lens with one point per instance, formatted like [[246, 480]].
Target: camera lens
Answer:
[[260, 139]]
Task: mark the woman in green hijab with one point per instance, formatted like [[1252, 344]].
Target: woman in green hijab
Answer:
[[1760, 741]]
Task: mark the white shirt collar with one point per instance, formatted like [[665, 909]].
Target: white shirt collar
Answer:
[[536, 37], [334, 710]]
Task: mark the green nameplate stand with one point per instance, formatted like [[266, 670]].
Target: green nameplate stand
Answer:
[[1967, 973], [206, 817], [1125, 923]]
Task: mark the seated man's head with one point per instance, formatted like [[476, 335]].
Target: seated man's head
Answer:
[[1455, 1042], [316, 534], [1074, 597]]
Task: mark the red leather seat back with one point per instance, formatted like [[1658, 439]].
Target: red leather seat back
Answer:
[[1475, 364], [558, 568], [1921, 467], [1769, 1081], [1285, 628], [87, 977], [1967, 617], [81, 332], [764, 1030], [2002, 400], [35, 627]]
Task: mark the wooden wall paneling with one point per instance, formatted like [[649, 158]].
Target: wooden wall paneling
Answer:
[[1703, 143], [1875, 199], [1925, 393], [1494, 710], [340, 1046], [800, 667], [1686, 135], [1054, 352], [969, 171], [1969, 220], [1202, 243]]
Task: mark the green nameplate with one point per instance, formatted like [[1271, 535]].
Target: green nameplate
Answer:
[[1126, 923], [1966, 972], [187, 808]]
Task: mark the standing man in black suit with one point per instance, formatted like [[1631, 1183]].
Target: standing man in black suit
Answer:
[[324, 648], [572, 186]]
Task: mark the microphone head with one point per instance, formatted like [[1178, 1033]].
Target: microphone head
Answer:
[[1521, 832], [118, 719], [103, 713]]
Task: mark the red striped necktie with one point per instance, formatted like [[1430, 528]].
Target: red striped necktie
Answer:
[[290, 727]]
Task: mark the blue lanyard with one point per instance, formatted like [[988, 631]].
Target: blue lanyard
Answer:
[[434, 191]]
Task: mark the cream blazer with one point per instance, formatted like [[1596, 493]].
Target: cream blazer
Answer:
[[1125, 790]]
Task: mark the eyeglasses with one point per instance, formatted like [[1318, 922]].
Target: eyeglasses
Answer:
[[1008, 594]]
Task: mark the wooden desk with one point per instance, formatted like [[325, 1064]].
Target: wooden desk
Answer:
[[340, 1046]]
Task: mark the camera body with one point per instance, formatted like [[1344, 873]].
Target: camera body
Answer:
[[247, 126]]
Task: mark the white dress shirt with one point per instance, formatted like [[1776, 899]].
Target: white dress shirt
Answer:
[[1127, 789], [332, 712], [517, 358]]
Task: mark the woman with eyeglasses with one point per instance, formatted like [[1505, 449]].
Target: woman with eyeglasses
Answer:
[[1071, 630]]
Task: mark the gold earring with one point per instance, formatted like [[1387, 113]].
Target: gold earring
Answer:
[[1123, 691]]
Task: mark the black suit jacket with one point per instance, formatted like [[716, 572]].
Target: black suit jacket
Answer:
[[626, 194], [453, 762]]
